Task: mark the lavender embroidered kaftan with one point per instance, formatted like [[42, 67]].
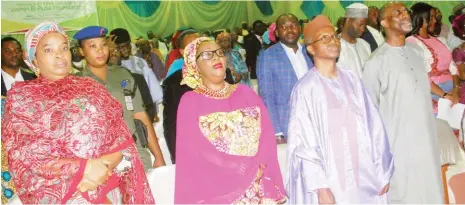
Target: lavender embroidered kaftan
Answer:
[[336, 140], [397, 81]]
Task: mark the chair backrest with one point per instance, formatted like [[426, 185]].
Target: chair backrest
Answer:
[[455, 176], [15, 200], [161, 182]]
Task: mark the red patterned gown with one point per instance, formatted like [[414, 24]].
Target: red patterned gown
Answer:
[[50, 130]]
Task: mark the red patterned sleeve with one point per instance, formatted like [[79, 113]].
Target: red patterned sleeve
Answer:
[[33, 160]]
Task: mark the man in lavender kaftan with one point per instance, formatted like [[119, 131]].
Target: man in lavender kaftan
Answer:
[[338, 151]]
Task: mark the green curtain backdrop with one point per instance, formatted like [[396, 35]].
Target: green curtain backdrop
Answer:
[[214, 14], [164, 17]]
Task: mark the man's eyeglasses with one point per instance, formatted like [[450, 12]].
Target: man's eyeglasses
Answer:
[[207, 55], [326, 39], [398, 12]]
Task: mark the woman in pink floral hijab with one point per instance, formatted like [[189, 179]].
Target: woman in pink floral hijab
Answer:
[[226, 152]]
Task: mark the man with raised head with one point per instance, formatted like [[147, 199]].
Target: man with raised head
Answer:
[[397, 81], [338, 151]]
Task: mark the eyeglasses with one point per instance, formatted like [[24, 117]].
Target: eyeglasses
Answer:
[[398, 12], [326, 39], [207, 55]]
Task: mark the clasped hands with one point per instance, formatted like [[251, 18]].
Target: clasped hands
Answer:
[[96, 173]]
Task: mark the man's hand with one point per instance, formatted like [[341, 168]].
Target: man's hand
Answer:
[[281, 141], [384, 190], [159, 163], [325, 196], [156, 119]]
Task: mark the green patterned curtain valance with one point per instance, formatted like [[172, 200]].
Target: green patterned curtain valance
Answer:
[[164, 17], [143, 8]]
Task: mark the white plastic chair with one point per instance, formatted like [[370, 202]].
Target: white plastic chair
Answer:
[[161, 182], [15, 200]]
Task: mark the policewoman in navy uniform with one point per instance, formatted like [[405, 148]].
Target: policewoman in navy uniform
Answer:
[[119, 82]]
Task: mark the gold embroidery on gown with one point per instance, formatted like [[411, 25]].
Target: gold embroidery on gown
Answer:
[[238, 133]]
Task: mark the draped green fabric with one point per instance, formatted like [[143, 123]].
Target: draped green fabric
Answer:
[[212, 2], [265, 7], [164, 17], [312, 8], [143, 8]]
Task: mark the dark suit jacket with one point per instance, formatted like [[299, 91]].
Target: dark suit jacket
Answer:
[[172, 93], [26, 76], [276, 79], [368, 37], [252, 47], [145, 94]]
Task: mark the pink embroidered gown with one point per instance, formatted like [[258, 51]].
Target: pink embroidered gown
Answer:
[[226, 151], [459, 57], [50, 130]]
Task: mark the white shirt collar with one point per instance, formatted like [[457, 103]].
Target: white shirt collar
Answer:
[[259, 38], [10, 80], [297, 59], [289, 49]]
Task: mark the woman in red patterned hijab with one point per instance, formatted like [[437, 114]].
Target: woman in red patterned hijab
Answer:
[[65, 137]]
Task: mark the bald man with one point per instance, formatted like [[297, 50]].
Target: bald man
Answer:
[[397, 81]]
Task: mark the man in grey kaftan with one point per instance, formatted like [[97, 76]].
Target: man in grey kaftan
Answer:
[[396, 79]]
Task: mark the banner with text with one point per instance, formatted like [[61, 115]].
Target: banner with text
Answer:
[[19, 16]]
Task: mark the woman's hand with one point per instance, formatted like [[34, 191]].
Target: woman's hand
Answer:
[[86, 185], [453, 97], [158, 163], [96, 173], [112, 159], [456, 93]]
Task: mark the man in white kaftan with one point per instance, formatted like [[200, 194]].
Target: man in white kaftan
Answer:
[[396, 79], [354, 50], [137, 65], [338, 151]]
